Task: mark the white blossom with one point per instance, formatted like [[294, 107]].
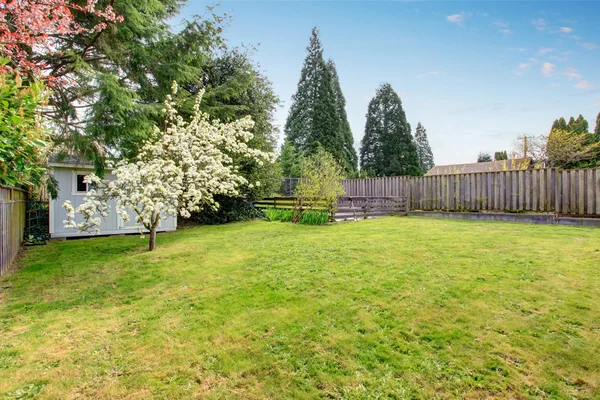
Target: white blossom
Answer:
[[177, 171]]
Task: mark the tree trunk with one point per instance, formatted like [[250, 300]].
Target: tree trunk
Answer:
[[152, 244]]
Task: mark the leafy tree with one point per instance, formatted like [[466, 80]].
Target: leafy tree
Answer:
[[289, 161], [500, 155], [24, 143], [484, 157], [579, 125], [177, 172], [320, 184], [314, 119], [569, 149], [388, 148], [350, 156], [423, 148]]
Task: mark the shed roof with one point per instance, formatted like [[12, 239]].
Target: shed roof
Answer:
[[515, 164]]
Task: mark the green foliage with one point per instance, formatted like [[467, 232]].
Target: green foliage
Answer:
[[500, 155], [317, 116], [278, 214], [388, 148], [231, 209], [423, 148], [597, 130], [23, 141], [320, 184], [569, 149], [314, 217], [579, 125], [289, 160], [484, 157]]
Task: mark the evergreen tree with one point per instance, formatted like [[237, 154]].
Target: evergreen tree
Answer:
[[484, 157], [388, 148], [500, 155], [350, 156], [423, 148], [314, 119], [597, 130], [560, 124]]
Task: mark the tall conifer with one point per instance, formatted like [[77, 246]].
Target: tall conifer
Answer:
[[423, 148]]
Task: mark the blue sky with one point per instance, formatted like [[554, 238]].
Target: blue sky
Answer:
[[475, 74]]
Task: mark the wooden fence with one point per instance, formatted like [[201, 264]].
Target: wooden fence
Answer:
[[568, 192], [13, 204]]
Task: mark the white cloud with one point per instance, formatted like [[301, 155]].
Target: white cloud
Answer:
[[548, 69], [555, 85], [500, 23], [545, 50], [505, 31], [430, 73], [457, 18], [540, 24], [523, 67], [589, 46], [566, 29], [572, 73], [583, 85], [519, 49]]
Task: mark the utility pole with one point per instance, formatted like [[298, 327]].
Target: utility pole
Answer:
[[525, 148]]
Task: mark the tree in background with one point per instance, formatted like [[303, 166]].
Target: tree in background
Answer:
[[484, 157], [320, 184], [314, 117], [500, 155], [388, 148], [597, 130], [289, 160], [559, 124], [579, 125], [177, 172], [568, 149], [423, 148], [350, 156], [533, 147]]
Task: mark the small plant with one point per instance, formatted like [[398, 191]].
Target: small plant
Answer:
[[314, 217], [278, 214]]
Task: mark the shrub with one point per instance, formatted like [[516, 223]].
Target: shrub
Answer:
[[314, 217], [278, 214], [231, 209]]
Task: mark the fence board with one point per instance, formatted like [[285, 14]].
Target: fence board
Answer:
[[13, 205]]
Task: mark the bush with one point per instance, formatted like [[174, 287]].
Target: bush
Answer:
[[314, 217], [278, 214], [231, 209]]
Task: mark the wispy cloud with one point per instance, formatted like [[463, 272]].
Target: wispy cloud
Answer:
[[545, 50], [505, 31], [540, 24], [426, 74], [583, 85], [457, 18], [548, 69], [572, 73], [566, 29], [522, 68], [500, 23], [589, 46], [519, 49]]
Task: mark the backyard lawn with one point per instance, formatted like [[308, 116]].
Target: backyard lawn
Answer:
[[386, 308]]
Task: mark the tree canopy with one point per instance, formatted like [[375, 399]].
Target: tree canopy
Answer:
[[423, 148], [388, 148]]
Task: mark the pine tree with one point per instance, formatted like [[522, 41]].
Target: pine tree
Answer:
[[388, 148], [597, 130], [559, 124], [484, 157], [314, 119], [350, 156], [423, 148], [500, 155]]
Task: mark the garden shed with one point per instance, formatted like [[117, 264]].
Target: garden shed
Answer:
[[69, 173]]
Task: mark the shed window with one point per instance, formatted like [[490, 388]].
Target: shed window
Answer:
[[81, 185]]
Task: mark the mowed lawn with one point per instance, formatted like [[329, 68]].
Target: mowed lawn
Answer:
[[387, 308]]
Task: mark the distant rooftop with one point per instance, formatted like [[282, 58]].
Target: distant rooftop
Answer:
[[516, 164]]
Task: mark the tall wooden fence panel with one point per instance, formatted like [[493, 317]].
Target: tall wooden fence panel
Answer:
[[568, 192], [13, 204]]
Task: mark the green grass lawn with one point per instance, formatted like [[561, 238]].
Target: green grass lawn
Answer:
[[386, 308]]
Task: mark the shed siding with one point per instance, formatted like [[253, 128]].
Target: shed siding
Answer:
[[111, 225]]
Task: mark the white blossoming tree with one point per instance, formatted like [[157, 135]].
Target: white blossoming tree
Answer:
[[177, 171]]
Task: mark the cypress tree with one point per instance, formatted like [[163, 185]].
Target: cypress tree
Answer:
[[560, 124], [313, 120], [500, 155], [388, 148], [423, 148], [597, 130], [350, 156]]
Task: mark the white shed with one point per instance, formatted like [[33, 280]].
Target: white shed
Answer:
[[69, 173]]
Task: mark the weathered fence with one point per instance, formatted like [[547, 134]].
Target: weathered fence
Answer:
[[13, 204], [568, 192]]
